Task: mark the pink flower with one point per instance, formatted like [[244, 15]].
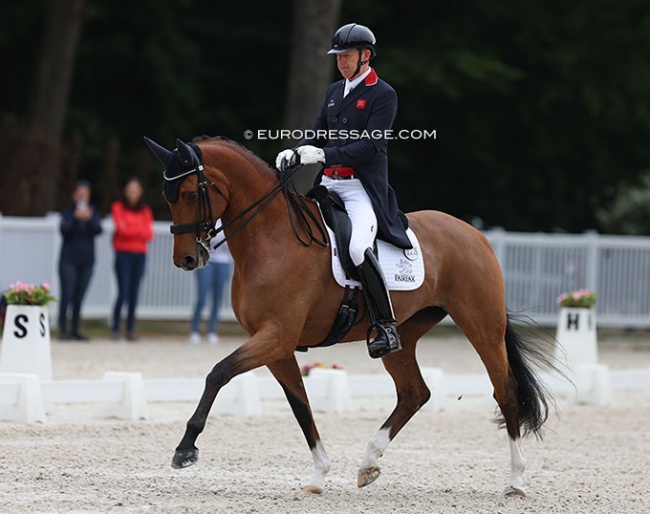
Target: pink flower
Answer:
[[46, 286], [579, 298]]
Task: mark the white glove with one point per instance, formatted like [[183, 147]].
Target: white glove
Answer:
[[285, 159], [311, 154]]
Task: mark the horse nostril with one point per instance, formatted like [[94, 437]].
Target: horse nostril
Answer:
[[189, 262]]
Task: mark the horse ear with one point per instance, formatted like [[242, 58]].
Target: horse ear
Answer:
[[161, 153], [186, 154]]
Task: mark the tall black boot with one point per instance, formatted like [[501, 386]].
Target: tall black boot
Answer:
[[379, 307]]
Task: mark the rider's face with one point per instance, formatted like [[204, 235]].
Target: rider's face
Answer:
[[347, 62]]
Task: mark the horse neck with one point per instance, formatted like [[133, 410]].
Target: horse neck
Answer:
[[248, 180]]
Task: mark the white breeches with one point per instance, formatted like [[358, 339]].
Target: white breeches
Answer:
[[362, 215]]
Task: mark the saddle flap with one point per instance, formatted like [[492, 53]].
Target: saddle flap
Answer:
[[336, 218]]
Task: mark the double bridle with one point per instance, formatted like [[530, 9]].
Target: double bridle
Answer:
[[298, 210]]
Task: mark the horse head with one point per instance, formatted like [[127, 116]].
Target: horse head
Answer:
[[187, 191]]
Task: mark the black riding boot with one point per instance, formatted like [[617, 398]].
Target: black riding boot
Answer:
[[379, 307]]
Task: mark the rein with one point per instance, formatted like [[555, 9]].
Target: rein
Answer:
[[296, 206]]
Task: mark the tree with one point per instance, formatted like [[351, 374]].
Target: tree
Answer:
[[310, 69], [37, 153]]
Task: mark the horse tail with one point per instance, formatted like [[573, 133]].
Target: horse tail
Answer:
[[526, 359]]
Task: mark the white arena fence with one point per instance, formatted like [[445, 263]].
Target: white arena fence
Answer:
[[536, 268], [126, 396]]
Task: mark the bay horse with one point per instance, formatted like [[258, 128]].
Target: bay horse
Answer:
[[284, 296]]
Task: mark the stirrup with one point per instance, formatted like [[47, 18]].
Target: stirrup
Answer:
[[387, 340]]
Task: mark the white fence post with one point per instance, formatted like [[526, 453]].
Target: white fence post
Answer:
[[133, 405], [333, 395], [21, 399], [240, 397]]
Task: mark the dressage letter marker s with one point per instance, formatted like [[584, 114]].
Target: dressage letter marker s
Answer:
[[26, 342]]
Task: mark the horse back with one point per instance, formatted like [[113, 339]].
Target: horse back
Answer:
[[454, 251]]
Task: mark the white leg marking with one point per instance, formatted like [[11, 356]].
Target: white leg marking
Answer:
[[517, 468], [321, 468], [375, 449]]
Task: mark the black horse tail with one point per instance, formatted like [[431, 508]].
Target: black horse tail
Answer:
[[526, 359]]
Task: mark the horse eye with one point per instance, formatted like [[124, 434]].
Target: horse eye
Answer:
[[190, 196]]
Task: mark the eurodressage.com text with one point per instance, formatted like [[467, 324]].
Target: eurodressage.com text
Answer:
[[332, 135]]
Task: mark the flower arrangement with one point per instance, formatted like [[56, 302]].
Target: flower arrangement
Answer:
[[306, 368], [26, 294], [579, 298]]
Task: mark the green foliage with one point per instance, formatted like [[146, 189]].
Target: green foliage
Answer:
[[537, 105], [26, 294], [581, 298], [629, 210]]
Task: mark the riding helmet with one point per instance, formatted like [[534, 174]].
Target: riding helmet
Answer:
[[352, 36]]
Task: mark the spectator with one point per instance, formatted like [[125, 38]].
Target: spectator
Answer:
[[211, 279], [80, 224], [133, 230]]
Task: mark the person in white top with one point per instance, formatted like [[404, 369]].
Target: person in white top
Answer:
[[211, 279]]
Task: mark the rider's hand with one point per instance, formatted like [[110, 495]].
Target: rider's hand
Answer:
[[311, 154], [285, 159]]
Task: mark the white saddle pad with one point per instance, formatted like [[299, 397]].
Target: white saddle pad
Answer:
[[403, 269]]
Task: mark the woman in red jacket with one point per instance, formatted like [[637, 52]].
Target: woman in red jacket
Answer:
[[133, 230]]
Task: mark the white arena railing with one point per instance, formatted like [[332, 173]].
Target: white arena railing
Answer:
[[536, 268]]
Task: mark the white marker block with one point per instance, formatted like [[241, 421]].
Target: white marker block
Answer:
[[26, 342], [576, 333], [21, 398]]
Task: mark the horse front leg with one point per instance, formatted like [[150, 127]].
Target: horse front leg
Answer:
[[412, 394], [186, 452], [287, 373], [257, 351]]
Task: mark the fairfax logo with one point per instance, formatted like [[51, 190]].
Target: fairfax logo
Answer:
[[405, 272], [331, 104]]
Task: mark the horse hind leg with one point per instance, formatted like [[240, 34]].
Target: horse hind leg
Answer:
[[412, 392], [532, 399], [287, 373], [517, 391], [506, 396]]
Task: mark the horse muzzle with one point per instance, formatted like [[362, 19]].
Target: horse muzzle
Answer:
[[197, 259]]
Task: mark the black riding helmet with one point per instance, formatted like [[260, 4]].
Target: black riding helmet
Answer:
[[352, 36]]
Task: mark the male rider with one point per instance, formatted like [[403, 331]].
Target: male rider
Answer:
[[351, 128]]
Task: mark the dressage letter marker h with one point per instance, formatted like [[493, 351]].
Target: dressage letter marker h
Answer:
[[576, 335], [577, 343], [573, 320]]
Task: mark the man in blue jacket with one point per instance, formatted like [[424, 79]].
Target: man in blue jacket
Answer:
[[350, 141]]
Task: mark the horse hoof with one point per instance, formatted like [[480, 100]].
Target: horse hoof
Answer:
[[367, 476], [312, 489], [514, 492], [185, 459]]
